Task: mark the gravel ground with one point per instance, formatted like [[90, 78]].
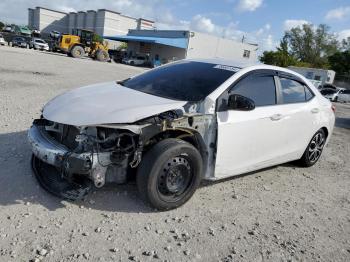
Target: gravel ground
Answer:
[[284, 213]]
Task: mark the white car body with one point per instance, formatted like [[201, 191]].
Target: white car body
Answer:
[[137, 60], [230, 141], [331, 94], [344, 96], [40, 44], [293, 128]]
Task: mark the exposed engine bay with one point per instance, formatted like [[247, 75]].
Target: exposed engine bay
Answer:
[[104, 154]]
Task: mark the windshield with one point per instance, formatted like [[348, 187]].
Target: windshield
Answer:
[[39, 41], [185, 80]]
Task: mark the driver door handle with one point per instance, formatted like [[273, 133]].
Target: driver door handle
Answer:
[[276, 117]]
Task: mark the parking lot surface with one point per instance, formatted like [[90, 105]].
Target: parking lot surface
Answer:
[[284, 213]]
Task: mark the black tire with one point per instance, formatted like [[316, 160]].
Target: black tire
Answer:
[[171, 161], [77, 51], [102, 55], [313, 150], [132, 63]]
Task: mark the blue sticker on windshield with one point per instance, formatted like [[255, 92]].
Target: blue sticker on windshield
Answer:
[[228, 68]]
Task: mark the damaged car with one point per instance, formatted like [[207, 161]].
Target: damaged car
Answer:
[[173, 126]]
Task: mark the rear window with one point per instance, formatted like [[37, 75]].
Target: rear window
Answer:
[[294, 92], [185, 80]]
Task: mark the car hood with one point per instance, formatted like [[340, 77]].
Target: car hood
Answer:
[[107, 103]]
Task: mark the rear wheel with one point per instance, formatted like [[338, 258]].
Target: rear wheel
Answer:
[[169, 174], [314, 149], [77, 51]]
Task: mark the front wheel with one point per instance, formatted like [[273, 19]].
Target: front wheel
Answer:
[[314, 149], [169, 174]]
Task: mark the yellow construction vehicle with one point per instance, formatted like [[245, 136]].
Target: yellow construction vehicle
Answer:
[[83, 42]]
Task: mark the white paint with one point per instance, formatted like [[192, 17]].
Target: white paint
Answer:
[[246, 141], [106, 103]]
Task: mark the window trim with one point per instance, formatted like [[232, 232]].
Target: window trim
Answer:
[[224, 95], [296, 79]]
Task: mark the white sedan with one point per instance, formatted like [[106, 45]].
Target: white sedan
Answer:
[[39, 44], [344, 96], [135, 60], [176, 125]]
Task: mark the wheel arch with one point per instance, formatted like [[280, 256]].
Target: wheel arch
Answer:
[[325, 130], [187, 135]]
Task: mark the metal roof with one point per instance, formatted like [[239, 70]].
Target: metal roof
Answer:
[[175, 42]]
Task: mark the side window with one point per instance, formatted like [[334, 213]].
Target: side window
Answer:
[[308, 94], [292, 91], [260, 88]]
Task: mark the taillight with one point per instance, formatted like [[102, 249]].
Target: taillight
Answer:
[[333, 108]]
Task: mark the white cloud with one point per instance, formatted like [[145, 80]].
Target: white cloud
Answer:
[[202, 24], [290, 23], [344, 34], [338, 13], [249, 5]]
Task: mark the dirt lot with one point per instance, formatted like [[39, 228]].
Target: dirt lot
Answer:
[[283, 213]]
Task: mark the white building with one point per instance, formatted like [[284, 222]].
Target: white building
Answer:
[[171, 45], [102, 21], [323, 75]]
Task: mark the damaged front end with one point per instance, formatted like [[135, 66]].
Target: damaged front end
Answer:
[[68, 160]]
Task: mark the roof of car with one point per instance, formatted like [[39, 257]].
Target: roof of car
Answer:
[[221, 61], [244, 64]]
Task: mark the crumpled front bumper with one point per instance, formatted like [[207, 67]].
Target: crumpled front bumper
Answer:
[[53, 153]]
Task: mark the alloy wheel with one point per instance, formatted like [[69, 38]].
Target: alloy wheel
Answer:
[[316, 147]]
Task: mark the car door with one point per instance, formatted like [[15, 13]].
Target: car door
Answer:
[[299, 114], [249, 140]]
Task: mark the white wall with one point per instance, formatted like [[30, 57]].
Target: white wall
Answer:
[[48, 20], [208, 46], [116, 24]]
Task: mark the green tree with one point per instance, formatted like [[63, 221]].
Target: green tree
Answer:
[[340, 62], [280, 57], [2, 25], [312, 45]]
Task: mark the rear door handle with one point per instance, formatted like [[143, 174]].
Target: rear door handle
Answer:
[[315, 110], [276, 117]]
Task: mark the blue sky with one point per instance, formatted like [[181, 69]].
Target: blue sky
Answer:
[[259, 21]]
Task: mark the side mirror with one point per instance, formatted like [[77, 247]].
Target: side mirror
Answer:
[[238, 102]]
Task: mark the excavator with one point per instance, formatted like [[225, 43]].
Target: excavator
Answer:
[[82, 42]]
